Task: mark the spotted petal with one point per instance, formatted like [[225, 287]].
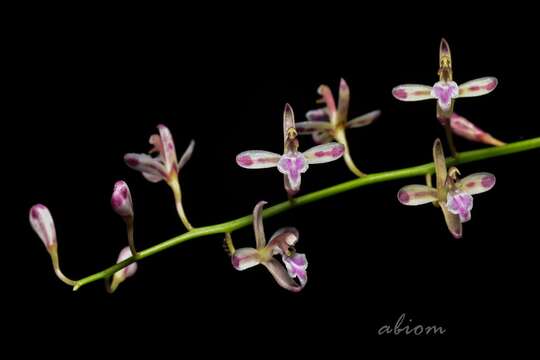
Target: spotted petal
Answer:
[[121, 200], [364, 120], [324, 153], [245, 258], [309, 127], [292, 165], [478, 87], [469, 131], [146, 164], [416, 195], [281, 276], [43, 224], [257, 159], [477, 183], [169, 151], [412, 92]]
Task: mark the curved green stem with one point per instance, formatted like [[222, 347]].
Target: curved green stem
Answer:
[[229, 226]]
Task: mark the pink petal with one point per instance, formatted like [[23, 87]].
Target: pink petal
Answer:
[[257, 159], [416, 195], [445, 91], [43, 224], [412, 92], [296, 267], [169, 151], [324, 153], [129, 270], [121, 200], [146, 164], [478, 87], [364, 120], [466, 129], [327, 98], [293, 165], [477, 183], [245, 258]]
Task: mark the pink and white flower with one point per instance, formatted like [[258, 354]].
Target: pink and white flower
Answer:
[[281, 243], [43, 224], [445, 91], [454, 196], [128, 271], [292, 163], [121, 201], [331, 122]]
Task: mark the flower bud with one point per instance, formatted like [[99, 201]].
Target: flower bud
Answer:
[[121, 200], [43, 224]]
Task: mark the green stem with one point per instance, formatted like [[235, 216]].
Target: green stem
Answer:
[[230, 226]]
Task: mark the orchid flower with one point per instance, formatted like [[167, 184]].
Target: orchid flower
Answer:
[[454, 196], [122, 204], [331, 122], [43, 224], [164, 166], [281, 243], [293, 162], [445, 91], [121, 275], [466, 129]]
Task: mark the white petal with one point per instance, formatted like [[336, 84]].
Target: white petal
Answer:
[[412, 92], [257, 159], [477, 183], [324, 153], [478, 87], [416, 195]]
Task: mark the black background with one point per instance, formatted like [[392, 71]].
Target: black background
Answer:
[[87, 88]]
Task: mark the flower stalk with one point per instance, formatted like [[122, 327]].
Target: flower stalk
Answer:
[[236, 224]]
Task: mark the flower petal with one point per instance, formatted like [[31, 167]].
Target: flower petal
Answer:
[[327, 98], [296, 267], [169, 151], [121, 201], [460, 203], [308, 127], [186, 155], [245, 258], [258, 227], [440, 165], [445, 91], [129, 270], [146, 164], [324, 153], [412, 92], [453, 221], [478, 87], [43, 224], [292, 165], [416, 195], [281, 276], [126, 272], [317, 115], [363, 120], [343, 103], [257, 159], [466, 129], [288, 121], [282, 240], [477, 183]]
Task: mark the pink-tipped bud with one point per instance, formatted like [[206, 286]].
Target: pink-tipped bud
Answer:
[[466, 129], [43, 224], [126, 272], [121, 200]]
